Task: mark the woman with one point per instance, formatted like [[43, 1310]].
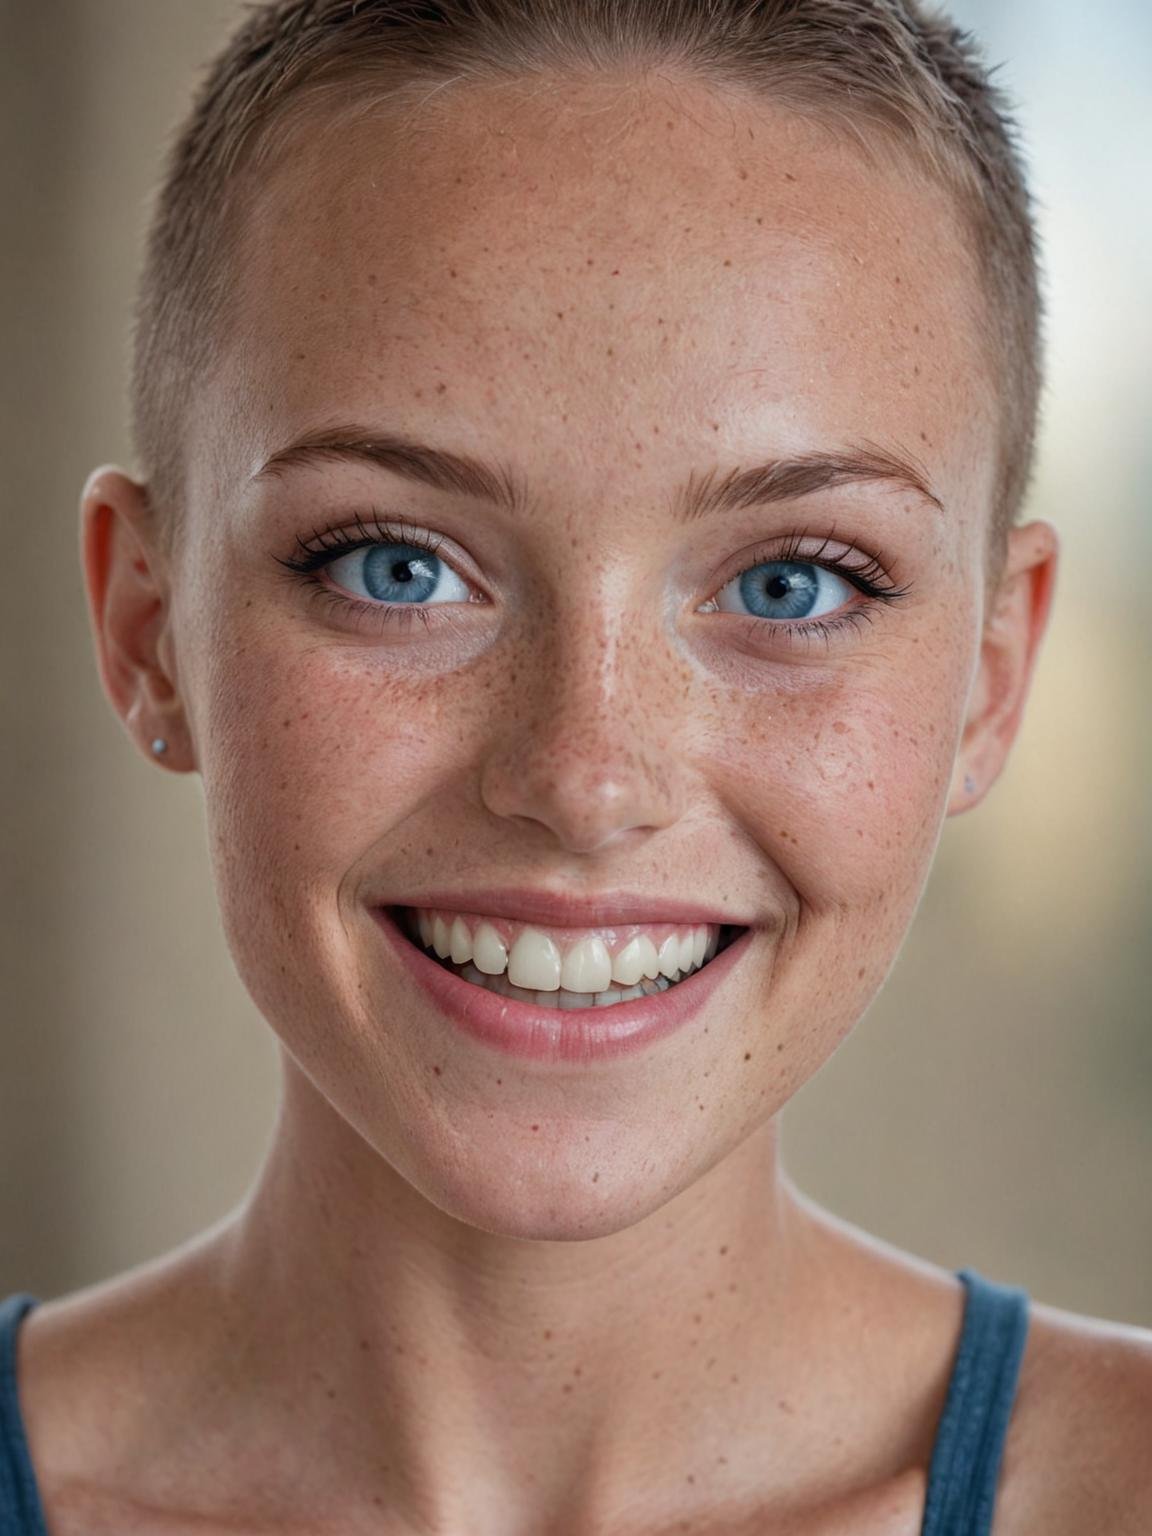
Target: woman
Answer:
[[576, 545]]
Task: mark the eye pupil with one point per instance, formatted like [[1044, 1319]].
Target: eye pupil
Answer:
[[778, 586]]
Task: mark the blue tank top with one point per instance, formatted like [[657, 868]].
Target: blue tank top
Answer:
[[962, 1474]]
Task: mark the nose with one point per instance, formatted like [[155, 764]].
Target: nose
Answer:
[[593, 747]]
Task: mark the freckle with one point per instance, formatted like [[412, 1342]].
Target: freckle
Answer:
[[731, 1289], [436, 1070], [916, 328], [691, 1478], [331, 1391], [759, 221], [535, 1127], [871, 784], [727, 263], [611, 351], [747, 1055], [595, 1178], [788, 176], [399, 1348], [499, 1082], [371, 279], [559, 314], [656, 1375], [724, 1250], [363, 1343], [715, 426], [590, 261], [577, 1370], [722, 1461], [567, 1386], [743, 175], [616, 272], [839, 727], [547, 1333], [299, 356], [441, 387], [419, 393], [780, 1045]]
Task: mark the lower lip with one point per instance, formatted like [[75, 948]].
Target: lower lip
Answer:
[[555, 1035]]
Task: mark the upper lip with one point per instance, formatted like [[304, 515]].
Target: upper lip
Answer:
[[556, 909]]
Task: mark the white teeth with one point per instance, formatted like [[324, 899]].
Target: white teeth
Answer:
[[699, 944], [535, 962], [562, 998], [490, 952], [461, 942], [628, 966], [670, 957], [687, 948], [587, 967]]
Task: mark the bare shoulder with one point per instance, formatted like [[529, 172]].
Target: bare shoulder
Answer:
[[1078, 1456]]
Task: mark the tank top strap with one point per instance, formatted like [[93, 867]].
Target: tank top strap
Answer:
[[965, 1466], [21, 1513]]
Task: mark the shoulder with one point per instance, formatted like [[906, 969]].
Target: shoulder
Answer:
[[1078, 1455]]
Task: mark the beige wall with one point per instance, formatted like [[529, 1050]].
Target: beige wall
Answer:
[[995, 1106]]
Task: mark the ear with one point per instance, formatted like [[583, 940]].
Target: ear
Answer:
[[1013, 629], [126, 578]]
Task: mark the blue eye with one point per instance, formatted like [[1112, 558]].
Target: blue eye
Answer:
[[398, 573], [785, 590], [391, 572]]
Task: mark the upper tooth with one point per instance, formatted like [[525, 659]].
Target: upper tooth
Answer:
[[587, 967], [536, 961], [670, 956], [490, 953]]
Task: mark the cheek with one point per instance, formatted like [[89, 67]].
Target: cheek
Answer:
[[846, 788], [318, 763]]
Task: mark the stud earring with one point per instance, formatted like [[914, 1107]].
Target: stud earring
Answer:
[[159, 746]]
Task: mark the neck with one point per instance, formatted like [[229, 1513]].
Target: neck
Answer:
[[466, 1379]]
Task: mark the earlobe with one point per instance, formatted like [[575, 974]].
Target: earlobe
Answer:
[[1010, 646], [126, 580]]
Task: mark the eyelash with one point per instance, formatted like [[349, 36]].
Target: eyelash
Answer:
[[868, 577]]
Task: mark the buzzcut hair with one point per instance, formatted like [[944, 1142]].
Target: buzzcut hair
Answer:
[[882, 70]]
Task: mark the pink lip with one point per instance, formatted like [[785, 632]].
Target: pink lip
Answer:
[[559, 910], [547, 1034]]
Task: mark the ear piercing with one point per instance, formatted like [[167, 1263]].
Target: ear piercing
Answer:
[[969, 784], [159, 746]]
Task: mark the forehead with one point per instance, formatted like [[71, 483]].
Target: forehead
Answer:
[[623, 263]]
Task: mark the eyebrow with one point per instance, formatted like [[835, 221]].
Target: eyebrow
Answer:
[[776, 480]]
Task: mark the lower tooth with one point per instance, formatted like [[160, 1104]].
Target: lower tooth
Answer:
[[562, 998]]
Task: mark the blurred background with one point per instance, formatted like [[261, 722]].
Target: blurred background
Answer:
[[994, 1108]]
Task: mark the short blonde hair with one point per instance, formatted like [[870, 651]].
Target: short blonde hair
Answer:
[[884, 68]]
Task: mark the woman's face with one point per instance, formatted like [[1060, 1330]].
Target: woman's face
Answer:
[[621, 294]]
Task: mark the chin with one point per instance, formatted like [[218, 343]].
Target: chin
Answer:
[[557, 1195]]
